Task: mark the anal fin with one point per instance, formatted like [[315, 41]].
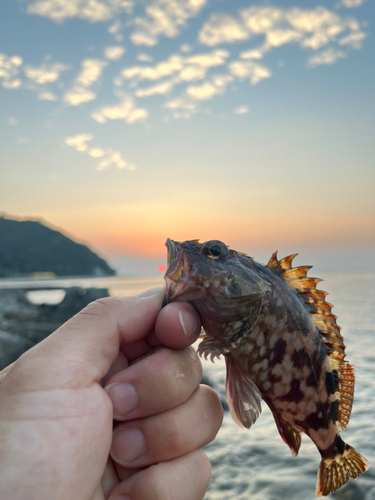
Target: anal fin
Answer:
[[290, 435], [288, 432], [243, 396]]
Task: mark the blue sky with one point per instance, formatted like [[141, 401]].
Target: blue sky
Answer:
[[126, 122]]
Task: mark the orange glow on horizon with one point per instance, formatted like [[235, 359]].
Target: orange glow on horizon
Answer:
[[140, 230]]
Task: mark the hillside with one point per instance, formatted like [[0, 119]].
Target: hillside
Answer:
[[28, 247]]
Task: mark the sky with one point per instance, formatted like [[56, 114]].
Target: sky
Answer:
[[126, 122]]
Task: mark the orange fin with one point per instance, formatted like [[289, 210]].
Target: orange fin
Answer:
[[333, 473], [243, 396], [305, 287]]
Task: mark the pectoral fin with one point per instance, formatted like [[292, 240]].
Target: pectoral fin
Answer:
[[243, 396]]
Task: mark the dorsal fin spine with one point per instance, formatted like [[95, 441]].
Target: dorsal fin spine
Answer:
[[305, 287]]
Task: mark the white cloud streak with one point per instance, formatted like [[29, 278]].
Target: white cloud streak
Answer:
[[114, 52], [328, 56], [310, 28], [125, 111], [46, 73], [93, 11], [47, 96], [91, 72], [164, 18], [109, 157], [9, 69], [349, 4], [78, 142], [80, 92], [241, 110], [249, 69], [144, 57], [175, 70]]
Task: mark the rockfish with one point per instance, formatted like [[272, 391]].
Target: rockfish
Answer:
[[281, 343]]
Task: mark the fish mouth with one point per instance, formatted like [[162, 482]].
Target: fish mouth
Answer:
[[179, 286]]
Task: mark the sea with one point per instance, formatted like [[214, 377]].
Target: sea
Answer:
[[255, 464]]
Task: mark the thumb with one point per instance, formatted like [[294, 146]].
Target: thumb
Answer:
[[83, 349]]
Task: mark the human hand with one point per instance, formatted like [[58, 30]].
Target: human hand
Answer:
[[122, 359]]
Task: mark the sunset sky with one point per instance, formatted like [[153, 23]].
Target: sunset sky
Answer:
[[126, 122]]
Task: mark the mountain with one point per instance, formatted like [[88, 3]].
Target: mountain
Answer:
[[31, 247]]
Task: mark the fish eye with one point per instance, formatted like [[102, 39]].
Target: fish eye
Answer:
[[214, 249]]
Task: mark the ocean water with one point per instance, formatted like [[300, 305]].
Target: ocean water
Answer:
[[255, 464]]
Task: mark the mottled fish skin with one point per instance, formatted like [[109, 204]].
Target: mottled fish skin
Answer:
[[273, 347]]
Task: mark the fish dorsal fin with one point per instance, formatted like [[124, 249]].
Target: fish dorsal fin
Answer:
[[243, 396], [305, 287]]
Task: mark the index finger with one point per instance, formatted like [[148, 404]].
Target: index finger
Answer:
[[82, 350]]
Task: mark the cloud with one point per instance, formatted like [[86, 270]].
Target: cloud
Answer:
[[352, 3], [80, 92], [144, 58], [91, 71], [96, 152], [114, 158], [114, 52], [164, 17], [109, 157], [9, 69], [241, 110], [161, 88], [47, 96], [12, 121], [115, 30], [78, 142], [182, 107], [328, 56], [93, 11], [125, 111], [188, 103], [353, 39], [12, 84], [310, 28], [203, 92], [46, 73], [257, 53], [222, 28], [176, 69], [78, 95], [185, 48], [249, 69]]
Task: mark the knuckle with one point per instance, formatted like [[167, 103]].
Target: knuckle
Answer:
[[176, 440], [98, 307]]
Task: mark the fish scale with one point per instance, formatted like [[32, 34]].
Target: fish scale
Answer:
[[281, 344]]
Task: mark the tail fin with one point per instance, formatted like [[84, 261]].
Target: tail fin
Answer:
[[335, 472]]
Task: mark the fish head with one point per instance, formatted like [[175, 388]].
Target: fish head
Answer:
[[219, 282]]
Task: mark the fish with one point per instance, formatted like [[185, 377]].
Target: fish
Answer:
[[281, 344]]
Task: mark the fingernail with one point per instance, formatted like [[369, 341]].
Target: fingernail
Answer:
[[128, 444], [124, 398], [118, 497], [187, 321]]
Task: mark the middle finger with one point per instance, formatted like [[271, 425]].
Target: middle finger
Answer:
[[160, 381], [170, 434]]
